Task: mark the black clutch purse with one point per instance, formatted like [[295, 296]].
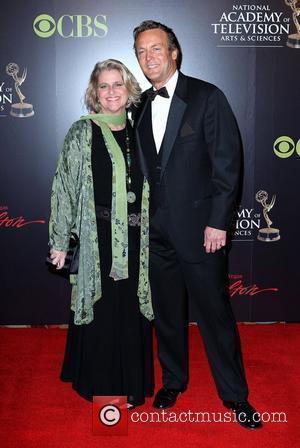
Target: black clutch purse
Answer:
[[71, 261]]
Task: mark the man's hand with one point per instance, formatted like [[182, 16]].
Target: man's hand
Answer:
[[214, 239], [58, 258]]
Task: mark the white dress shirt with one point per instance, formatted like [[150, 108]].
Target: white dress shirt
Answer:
[[160, 111]]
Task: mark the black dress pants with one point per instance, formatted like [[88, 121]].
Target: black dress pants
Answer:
[[173, 282]]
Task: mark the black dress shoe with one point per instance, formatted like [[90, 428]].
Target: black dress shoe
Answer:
[[245, 413], [165, 398]]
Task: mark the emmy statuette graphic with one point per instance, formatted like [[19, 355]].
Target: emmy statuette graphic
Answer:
[[267, 234], [294, 39], [21, 109]]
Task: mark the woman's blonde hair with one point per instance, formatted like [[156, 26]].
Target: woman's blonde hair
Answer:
[[134, 90]]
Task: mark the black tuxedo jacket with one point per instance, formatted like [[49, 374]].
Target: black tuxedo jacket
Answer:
[[200, 163]]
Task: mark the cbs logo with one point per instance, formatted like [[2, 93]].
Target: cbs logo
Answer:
[[70, 26], [285, 147]]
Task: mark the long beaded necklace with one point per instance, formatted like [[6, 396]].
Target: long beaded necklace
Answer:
[[131, 197]]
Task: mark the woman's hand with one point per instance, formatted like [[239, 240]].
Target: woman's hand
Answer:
[[58, 258]]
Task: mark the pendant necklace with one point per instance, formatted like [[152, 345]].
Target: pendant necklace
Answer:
[[131, 197]]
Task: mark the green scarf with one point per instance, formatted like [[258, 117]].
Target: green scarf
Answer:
[[119, 214]]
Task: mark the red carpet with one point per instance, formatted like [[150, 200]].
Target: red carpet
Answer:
[[38, 410]]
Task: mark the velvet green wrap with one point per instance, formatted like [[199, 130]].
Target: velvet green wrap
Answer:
[[73, 210]]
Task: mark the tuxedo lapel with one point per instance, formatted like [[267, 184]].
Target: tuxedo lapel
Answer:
[[140, 151], [175, 116], [177, 109], [142, 108]]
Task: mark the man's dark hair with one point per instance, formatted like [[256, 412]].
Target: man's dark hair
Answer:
[[173, 43]]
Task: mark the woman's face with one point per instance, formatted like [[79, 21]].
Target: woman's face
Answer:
[[112, 93]]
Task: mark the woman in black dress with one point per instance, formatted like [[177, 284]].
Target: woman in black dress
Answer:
[[111, 354]]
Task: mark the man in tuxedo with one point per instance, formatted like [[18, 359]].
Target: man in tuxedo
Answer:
[[189, 150]]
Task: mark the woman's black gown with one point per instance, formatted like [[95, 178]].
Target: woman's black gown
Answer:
[[113, 354]]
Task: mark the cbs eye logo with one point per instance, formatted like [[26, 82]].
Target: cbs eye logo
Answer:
[[66, 26], [284, 147], [44, 25]]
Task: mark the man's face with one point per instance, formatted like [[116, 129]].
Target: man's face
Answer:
[[155, 59]]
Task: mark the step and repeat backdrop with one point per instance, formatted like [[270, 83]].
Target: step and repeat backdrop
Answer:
[[250, 49]]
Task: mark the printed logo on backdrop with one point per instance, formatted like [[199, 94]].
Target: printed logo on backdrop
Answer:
[[68, 26], [6, 98], [294, 39], [248, 221], [19, 109], [267, 234], [285, 147], [17, 222], [246, 224], [237, 287], [252, 25]]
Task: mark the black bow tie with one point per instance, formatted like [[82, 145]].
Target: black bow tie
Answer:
[[162, 92]]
